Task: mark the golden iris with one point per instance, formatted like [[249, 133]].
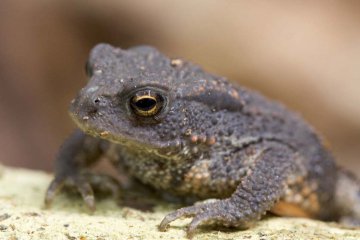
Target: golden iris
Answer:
[[146, 103]]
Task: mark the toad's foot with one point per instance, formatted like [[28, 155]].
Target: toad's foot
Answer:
[[85, 184], [220, 212]]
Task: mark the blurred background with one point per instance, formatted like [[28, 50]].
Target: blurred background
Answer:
[[305, 54]]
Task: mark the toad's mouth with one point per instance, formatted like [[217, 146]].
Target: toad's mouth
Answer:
[[125, 138]]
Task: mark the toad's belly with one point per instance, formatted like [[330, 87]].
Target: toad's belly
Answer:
[[190, 179]]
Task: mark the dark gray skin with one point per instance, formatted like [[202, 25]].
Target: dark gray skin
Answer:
[[184, 131]]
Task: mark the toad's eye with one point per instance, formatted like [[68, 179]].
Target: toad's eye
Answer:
[[147, 103]]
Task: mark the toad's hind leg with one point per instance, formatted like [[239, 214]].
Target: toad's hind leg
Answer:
[[256, 194], [347, 198]]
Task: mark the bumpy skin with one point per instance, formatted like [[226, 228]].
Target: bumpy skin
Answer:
[[211, 139]]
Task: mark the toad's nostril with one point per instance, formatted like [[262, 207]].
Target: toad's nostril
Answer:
[[97, 100], [92, 107]]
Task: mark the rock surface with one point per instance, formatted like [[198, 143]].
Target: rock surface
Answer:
[[22, 216]]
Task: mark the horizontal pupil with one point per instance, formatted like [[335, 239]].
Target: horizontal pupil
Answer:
[[146, 104]]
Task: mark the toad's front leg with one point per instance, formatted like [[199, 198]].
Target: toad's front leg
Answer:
[[75, 156], [256, 194]]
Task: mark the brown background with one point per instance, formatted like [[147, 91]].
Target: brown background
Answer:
[[303, 53]]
